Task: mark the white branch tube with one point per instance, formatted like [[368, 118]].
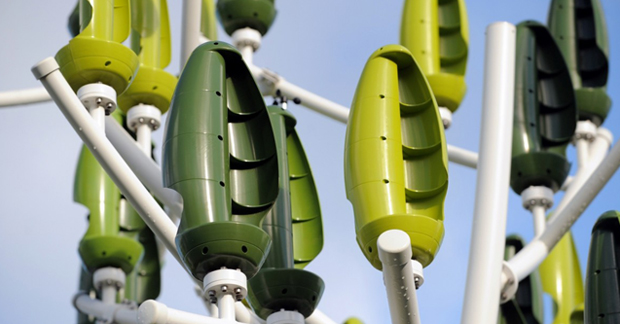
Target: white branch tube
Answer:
[[244, 315], [247, 52], [153, 312], [143, 138], [318, 317], [600, 146], [540, 219], [582, 146], [491, 205], [108, 294], [23, 97], [114, 313], [269, 82], [190, 33], [394, 248], [145, 168], [47, 71], [226, 307], [530, 257]]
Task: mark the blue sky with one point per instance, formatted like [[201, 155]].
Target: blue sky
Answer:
[[320, 45]]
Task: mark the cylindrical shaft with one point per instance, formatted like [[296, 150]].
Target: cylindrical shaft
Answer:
[[491, 205], [226, 307], [247, 52], [540, 219], [582, 147], [190, 33], [394, 248], [98, 115], [108, 294], [23, 97], [143, 137]]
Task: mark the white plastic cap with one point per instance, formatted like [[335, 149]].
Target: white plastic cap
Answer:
[[45, 67], [285, 317]]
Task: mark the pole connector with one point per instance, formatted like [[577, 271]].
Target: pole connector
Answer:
[[446, 117], [247, 37], [225, 281], [143, 115], [585, 130], [537, 196], [109, 276], [95, 95], [509, 289]]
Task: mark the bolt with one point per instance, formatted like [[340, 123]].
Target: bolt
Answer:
[[211, 293], [99, 100], [110, 105], [141, 120], [237, 290], [532, 202], [224, 288], [152, 121], [239, 298], [213, 300]]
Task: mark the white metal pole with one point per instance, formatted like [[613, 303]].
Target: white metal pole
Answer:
[[226, 307], [113, 313], [144, 167], [600, 146], [462, 156], [23, 97], [143, 138], [47, 71], [491, 205], [394, 248], [247, 52], [540, 219], [190, 34], [530, 257], [153, 312], [582, 146]]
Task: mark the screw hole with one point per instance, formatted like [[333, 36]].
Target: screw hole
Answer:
[[601, 315], [222, 184], [107, 63], [370, 249], [220, 137], [532, 124], [561, 37], [154, 87], [256, 14], [284, 291], [104, 253], [529, 58], [205, 250], [381, 96], [129, 258], [129, 78], [313, 298], [386, 181], [519, 174], [383, 138], [216, 43], [244, 249], [548, 171], [597, 272], [530, 90], [219, 94]]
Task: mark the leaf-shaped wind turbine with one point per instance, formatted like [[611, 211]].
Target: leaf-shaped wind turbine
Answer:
[[579, 28], [220, 155], [562, 280], [602, 280], [279, 285], [545, 114], [396, 165], [150, 40], [96, 53], [437, 35]]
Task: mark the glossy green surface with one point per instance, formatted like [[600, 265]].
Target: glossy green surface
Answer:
[[396, 167], [102, 246], [561, 279], [579, 28], [73, 24], [289, 289], [220, 155], [545, 113], [526, 307], [208, 26], [150, 40], [603, 274], [436, 32], [96, 53], [237, 14]]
